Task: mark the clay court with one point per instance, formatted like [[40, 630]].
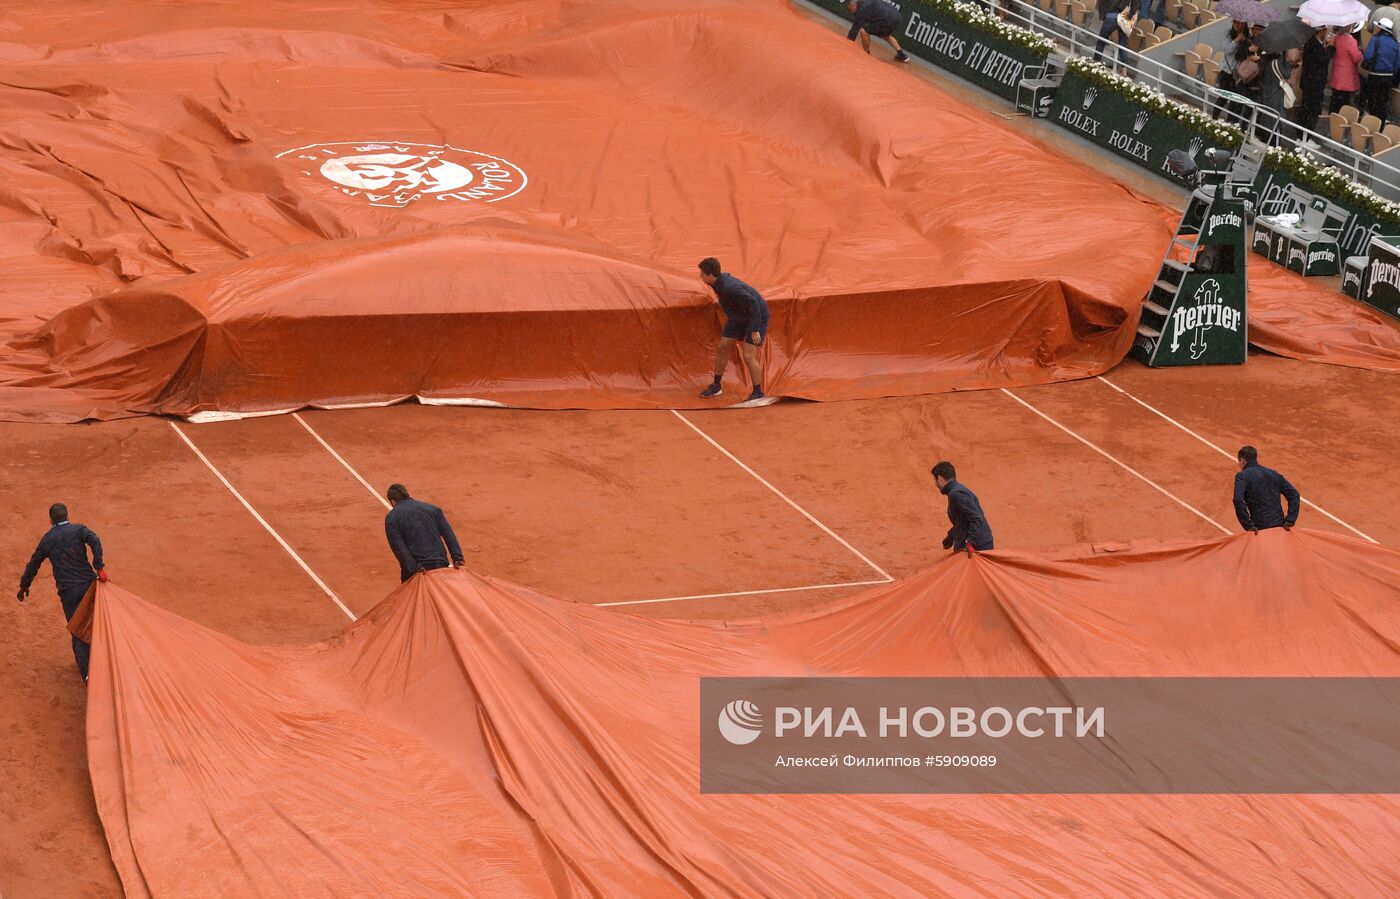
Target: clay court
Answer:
[[913, 321], [750, 512]]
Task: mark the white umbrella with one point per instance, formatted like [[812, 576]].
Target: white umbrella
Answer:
[[1342, 13]]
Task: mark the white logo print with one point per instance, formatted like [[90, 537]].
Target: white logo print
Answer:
[[1207, 310], [1140, 121], [740, 722], [1089, 96], [1196, 144], [396, 173]]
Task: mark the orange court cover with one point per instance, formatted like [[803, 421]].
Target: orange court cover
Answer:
[[470, 737], [235, 207]]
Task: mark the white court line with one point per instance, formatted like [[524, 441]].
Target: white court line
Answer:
[[808, 515], [1129, 469], [262, 521], [642, 602], [1309, 503], [341, 459]]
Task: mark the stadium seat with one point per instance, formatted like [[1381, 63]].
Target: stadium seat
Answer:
[[1392, 131], [1211, 74], [1338, 127], [1163, 33], [1380, 143], [1394, 104], [1361, 132], [1351, 114], [1191, 64], [1082, 15]]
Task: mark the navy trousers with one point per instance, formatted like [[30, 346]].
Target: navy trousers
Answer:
[[71, 599]]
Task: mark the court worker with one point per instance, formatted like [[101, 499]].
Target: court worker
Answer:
[[1257, 492], [970, 530], [419, 534], [66, 547]]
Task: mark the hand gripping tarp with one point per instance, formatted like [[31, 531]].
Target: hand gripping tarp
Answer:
[[254, 208], [469, 737]]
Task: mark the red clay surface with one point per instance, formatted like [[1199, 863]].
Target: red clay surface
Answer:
[[618, 507]]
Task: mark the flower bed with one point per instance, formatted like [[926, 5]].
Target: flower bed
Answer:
[[966, 40], [1038, 45], [1370, 213], [1133, 121], [1217, 133]]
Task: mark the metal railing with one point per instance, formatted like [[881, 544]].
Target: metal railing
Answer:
[[1259, 122]]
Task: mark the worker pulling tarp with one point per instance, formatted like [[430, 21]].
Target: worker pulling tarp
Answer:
[[223, 209], [473, 737]]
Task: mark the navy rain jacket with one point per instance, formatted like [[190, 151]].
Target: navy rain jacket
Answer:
[[65, 546], [1257, 490], [873, 16], [969, 524], [416, 532], [741, 302]]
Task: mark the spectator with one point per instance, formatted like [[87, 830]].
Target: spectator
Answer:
[[1161, 11], [1117, 25], [1346, 77], [1379, 60], [1238, 32], [1317, 62]]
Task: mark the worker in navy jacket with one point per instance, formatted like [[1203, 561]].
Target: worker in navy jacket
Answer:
[[1257, 492], [745, 323], [66, 547], [877, 17], [970, 528], [417, 532]]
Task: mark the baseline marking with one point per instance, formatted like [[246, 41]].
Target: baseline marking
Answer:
[[1159, 413], [808, 515], [341, 459], [262, 521], [1123, 465], [642, 602]]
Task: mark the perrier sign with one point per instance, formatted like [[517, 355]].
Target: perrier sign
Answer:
[[1205, 319]]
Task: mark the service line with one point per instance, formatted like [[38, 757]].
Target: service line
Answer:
[[1121, 464], [643, 602], [1165, 417], [785, 498], [263, 521]]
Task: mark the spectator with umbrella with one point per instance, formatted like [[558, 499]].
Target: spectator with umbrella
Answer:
[[1239, 32], [1346, 75], [1317, 62]]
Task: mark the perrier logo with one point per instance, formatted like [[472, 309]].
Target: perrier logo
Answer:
[[1199, 315]]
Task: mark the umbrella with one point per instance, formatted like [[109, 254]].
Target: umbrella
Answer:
[[1251, 11], [1345, 13], [1284, 35]]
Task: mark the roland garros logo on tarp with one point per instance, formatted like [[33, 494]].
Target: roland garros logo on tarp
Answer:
[[395, 174]]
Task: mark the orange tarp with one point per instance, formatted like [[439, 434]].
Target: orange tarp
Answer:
[[253, 207], [473, 737]]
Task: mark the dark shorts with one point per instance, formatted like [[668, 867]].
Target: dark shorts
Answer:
[[735, 331], [882, 29]]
